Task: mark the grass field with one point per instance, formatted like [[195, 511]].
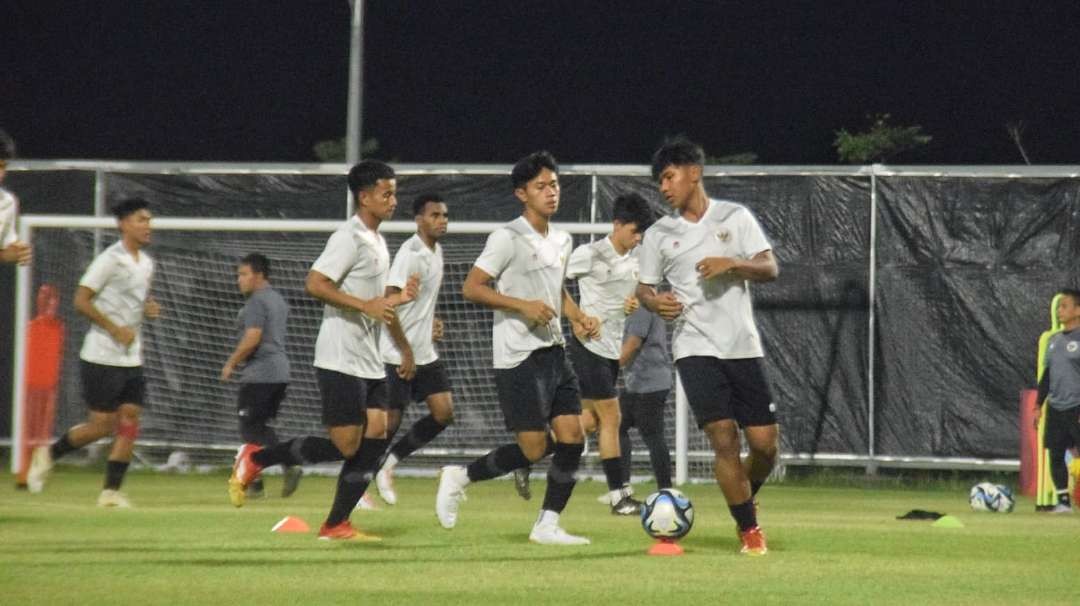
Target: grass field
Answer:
[[184, 544]]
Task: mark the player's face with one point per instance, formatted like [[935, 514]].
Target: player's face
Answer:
[[380, 199], [433, 220], [541, 194], [137, 226], [625, 236], [246, 279], [1067, 310], [678, 184]]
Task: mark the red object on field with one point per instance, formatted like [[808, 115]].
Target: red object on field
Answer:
[[1029, 443], [44, 352], [665, 547]]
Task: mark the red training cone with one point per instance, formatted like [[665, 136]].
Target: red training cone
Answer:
[[291, 524], [665, 547]]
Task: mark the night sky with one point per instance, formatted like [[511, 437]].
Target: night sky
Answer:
[[484, 81]]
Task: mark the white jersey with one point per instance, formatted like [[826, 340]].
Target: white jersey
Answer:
[[9, 211], [356, 259], [717, 318], [605, 279], [525, 265], [416, 316], [121, 285]]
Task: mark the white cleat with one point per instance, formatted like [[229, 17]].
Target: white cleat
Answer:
[[113, 498], [451, 493], [41, 465], [1062, 508], [384, 482], [366, 503], [552, 534]]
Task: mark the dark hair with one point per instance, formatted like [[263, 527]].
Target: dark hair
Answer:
[[129, 206], [679, 151], [258, 263], [528, 167], [366, 174], [632, 208], [1071, 292], [7, 146], [421, 201]]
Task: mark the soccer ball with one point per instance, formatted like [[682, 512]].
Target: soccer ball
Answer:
[[993, 498], [667, 514]]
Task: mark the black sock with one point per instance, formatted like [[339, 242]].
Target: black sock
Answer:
[[356, 474], [500, 461], [755, 486], [613, 471], [61, 447], [562, 476], [744, 515], [298, 451], [114, 474], [627, 454], [423, 431]]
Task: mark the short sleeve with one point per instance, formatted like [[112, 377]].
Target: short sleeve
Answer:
[[256, 314], [99, 272], [650, 270], [580, 261], [339, 256], [8, 235], [401, 267], [497, 253], [751, 237], [637, 323]]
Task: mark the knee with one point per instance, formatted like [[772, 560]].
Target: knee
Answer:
[[443, 416], [534, 450], [127, 426], [767, 452]]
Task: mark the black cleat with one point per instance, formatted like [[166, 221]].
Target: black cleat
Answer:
[[521, 482], [627, 506], [291, 479]]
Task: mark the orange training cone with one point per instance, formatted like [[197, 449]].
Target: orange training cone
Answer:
[[291, 524], [665, 547]]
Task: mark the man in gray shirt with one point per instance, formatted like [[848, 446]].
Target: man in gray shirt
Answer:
[[1060, 388], [264, 375], [647, 375]]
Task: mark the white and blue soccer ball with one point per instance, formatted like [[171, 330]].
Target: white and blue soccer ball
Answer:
[[667, 514], [992, 498]]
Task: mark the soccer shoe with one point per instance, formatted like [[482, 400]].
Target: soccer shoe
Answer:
[[244, 473], [346, 532], [451, 493], [521, 482], [753, 542], [291, 478], [552, 534], [366, 503], [627, 506], [1062, 508], [384, 482], [41, 465], [113, 498]]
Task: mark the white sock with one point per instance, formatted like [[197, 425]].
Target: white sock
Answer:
[[614, 496], [391, 461], [547, 518]]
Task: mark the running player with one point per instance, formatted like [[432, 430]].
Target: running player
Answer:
[[537, 389], [11, 250], [709, 252], [114, 294]]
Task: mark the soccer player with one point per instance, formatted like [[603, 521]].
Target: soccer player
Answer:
[[537, 389], [260, 352], [1061, 384], [709, 252], [647, 373], [11, 249], [607, 274], [414, 372], [114, 294], [349, 277]]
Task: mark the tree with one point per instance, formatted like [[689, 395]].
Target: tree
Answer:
[[333, 150], [881, 142]]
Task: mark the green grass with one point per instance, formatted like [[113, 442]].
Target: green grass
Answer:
[[184, 544]]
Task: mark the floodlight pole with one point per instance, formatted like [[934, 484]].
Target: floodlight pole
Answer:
[[356, 83]]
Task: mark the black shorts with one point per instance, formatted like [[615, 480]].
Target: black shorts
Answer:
[[259, 402], [430, 379], [1062, 428], [345, 398], [539, 389], [105, 388], [727, 389], [597, 375]]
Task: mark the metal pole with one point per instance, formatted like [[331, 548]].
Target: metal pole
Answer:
[[100, 194], [871, 467], [22, 319], [356, 84], [682, 434]]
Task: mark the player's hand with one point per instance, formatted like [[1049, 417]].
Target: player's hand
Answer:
[[411, 290], [227, 371], [379, 309], [630, 305], [152, 309], [17, 252], [667, 306], [537, 313], [710, 267], [123, 335], [407, 369], [438, 330], [590, 327]]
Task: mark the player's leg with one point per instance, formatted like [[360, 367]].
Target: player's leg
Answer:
[[127, 430], [648, 414], [1057, 440], [754, 410], [253, 412]]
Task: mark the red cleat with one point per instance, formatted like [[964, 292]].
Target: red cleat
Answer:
[[244, 472], [345, 532], [753, 542]]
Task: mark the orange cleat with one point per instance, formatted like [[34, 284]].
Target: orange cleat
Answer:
[[345, 532], [753, 542], [244, 472]]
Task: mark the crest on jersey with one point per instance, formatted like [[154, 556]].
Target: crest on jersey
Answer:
[[1072, 347], [676, 244], [723, 234]]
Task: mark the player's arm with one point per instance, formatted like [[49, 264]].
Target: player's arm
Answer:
[[663, 304], [16, 252], [407, 369], [247, 346], [1044, 391], [324, 289], [582, 323], [631, 345], [477, 288], [84, 304], [761, 267]]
